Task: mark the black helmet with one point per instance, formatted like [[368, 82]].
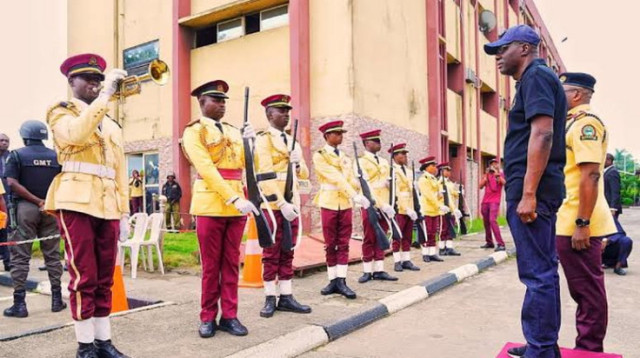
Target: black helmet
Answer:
[[34, 130]]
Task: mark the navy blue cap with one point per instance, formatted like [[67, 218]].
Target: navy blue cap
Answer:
[[579, 79], [519, 33]]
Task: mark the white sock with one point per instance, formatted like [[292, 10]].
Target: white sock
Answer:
[[449, 244], [406, 256], [85, 332], [425, 251], [342, 271], [269, 288], [432, 250], [441, 244], [332, 272], [397, 256], [378, 266], [103, 328], [367, 267], [285, 287]]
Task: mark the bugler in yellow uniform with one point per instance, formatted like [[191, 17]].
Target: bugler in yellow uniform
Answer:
[[272, 155], [376, 172], [406, 214], [431, 205], [90, 196], [338, 188], [215, 149], [584, 218]]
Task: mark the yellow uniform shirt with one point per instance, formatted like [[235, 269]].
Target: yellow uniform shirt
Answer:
[[337, 181], [586, 142], [90, 149], [403, 188], [376, 172], [272, 155], [135, 191], [208, 151], [431, 195], [2, 192], [454, 194]]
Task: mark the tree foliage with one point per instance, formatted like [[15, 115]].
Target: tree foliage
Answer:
[[630, 181]]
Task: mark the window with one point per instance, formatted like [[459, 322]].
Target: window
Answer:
[[206, 36], [231, 29], [275, 17], [136, 59], [252, 23]]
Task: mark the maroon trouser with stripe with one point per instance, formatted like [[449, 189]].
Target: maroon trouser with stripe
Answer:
[[277, 262], [433, 228], [370, 249], [585, 278], [219, 239], [406, 228], [336, 229], [91, 245]]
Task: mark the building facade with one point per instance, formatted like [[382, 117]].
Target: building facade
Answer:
[[414, 68]]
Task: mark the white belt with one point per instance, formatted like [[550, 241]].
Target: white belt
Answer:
[[403, 195], [89, 168], [281, 176], [328, 187], [378, 184]]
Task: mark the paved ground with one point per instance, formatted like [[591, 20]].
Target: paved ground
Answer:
[[478, 316]]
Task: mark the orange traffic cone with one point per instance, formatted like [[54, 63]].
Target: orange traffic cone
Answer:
[[252, 271], [118, 294]]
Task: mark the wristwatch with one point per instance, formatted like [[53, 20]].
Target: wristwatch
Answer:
[[582, 222]]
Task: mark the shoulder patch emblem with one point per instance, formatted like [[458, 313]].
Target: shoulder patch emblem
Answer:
[[193, 122], [588, 132]]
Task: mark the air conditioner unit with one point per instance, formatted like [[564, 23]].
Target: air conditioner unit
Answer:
[[470, 76]]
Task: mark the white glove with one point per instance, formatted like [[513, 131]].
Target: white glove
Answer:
[[457, 214], [388, 210], [412, 214], [112, 81], [295, 157], [248, 132], [444, 209], [245, 206], [289, 211], [362, 201], [124, 228]]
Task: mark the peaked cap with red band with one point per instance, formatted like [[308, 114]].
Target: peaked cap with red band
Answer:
[[371, 135], [217, 88], [86, 63], [333, 126], [398, 148], [428, 160], [277, 101]]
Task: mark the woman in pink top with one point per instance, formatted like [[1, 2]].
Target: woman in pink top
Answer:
[[492, 181]]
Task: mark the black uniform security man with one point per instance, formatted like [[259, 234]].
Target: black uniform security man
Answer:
[[29, 173]]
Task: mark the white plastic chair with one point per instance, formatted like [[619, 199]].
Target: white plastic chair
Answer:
[[139, 222], [155, 226]]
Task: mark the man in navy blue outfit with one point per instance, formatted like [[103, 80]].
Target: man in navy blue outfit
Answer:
[[534, 161]]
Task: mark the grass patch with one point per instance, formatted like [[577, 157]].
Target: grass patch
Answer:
[[477, 225]]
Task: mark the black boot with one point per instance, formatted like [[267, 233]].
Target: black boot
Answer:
[[289, 304], [107, 350], [443, 252], [269, 307], [408, 265], [57, 304], [426, 258], [19, 308], [86, 350], [435, 258], [343, 289], [207, 329], [330, 288], [367, 276], [452, 252], [383, 276], [233, 327], [397, 267]]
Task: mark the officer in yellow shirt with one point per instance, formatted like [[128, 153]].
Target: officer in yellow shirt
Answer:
[[447, 232], [376, 173], [89, 196], [273, 154], [215, 149], [135, 191], [431, 206], [406, 214], [584, 218], [338, 189], [3, 208]]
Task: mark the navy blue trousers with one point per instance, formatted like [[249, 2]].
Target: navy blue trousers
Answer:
[[537, 261], [619, 247]]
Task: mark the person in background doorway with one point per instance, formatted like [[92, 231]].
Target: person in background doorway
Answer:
[[135, 192], [172, 191]]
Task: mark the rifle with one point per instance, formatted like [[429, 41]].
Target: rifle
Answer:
[[447, 216], [393, 200], [266, 237], [287, 234], [422, 228], [372, 213], [463, 225]]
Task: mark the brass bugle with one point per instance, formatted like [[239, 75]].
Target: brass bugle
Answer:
[[158, 72]]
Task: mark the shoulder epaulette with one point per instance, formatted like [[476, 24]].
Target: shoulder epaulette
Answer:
[[193, 122], [230, 125], [63, 104], [261, 133], [321, 151]]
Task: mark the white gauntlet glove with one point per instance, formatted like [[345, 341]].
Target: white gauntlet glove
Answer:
[[388, 210], [444, 209], [124, 228], [412, 214], [111, 82], [248, 132], [457, 214], [362, 201], [295, 157], [245, 206], [289, 211]]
